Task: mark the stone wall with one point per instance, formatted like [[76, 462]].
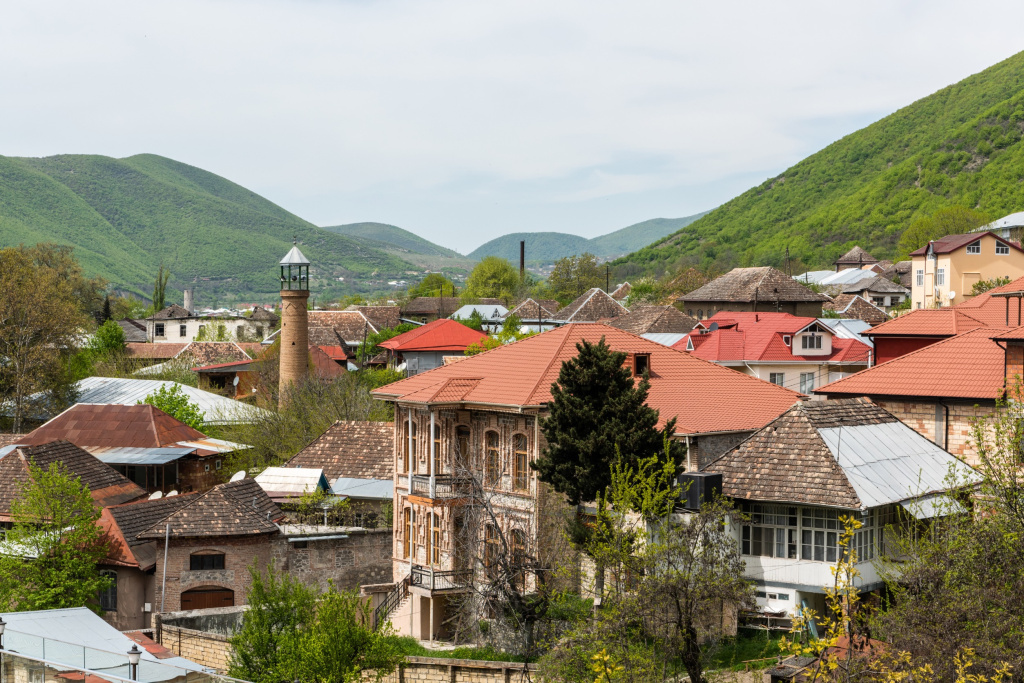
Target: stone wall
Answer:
[[929, 420], [206, 649], [364, 557], [704, 449], [437, 670]]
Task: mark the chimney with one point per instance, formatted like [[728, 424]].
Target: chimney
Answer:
[[522, 260], [189, 305]]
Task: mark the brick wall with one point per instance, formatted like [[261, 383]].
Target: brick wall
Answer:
[[362, 558], [239, 554], [928, 420], [437, 670], [206, 649], [704, 449]]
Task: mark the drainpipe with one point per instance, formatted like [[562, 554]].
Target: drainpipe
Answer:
[[945, 437]]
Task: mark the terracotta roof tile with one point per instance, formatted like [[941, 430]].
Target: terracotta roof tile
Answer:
[[744, 285], [621, 292], [134, 518], [703, 396], [535, 310], [358, 450], [328, 328], [381, 317], [969, 365], [927, 322], [93, 425], [439, 335], [207, 353], [161, 351], [853, 307]]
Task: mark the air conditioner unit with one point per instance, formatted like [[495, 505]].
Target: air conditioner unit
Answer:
[[701, 487]]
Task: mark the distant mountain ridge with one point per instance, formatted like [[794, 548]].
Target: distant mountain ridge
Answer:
[[551, 246], [959, 146]]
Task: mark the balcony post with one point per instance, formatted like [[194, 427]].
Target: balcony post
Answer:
[[412, 456], [433, 481]]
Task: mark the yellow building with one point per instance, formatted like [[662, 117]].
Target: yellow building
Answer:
[[944, 271]]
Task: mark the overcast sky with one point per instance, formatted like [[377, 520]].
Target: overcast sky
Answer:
[[463, 120]]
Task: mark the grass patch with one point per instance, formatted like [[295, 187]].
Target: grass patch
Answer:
[[410, 647], [749, 644]]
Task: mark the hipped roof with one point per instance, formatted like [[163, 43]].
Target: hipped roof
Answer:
[[440, 335], [237, 508], [746, 285]]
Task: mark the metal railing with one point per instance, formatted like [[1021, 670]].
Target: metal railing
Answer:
[[437, 580], [395, 597], [445, 486]]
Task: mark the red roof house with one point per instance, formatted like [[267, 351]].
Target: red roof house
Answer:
[[425, 347]]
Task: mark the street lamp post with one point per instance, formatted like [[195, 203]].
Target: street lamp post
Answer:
[[134, 655]]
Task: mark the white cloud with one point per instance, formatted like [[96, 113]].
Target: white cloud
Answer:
[[461, 119]]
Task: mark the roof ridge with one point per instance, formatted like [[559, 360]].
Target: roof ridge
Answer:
[[558, 349]]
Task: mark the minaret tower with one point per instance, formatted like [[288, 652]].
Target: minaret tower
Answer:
[[294, 321]]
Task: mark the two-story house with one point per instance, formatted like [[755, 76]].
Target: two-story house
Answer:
[[788, 350], [472, 428], [820, 461], [175, 324], [946, 270]]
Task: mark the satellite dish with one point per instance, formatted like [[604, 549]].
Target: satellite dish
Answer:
[[713, 327], [157, 496], [234, 382], [237, 476], [172, 493], [951, 295]]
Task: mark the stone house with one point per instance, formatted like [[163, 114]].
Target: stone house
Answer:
[[763, 289], [470, 430], [880, 291], [175, 324]]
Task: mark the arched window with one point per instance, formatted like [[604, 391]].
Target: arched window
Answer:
[[408, 446], [437, 449], [460, 458], [493, 465], [520, 464], [492, 547], [700, 314]]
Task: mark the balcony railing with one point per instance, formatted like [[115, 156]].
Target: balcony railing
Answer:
[[449, 580], [445, 486]]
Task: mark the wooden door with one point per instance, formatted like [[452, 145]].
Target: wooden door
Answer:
[[205, 598]]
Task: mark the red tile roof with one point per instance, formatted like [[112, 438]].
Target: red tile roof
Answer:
[[950, 243], [970, 365], [91, 425], [440, 335], [992, 310], [704, 397], [927, 322], [749, 336]]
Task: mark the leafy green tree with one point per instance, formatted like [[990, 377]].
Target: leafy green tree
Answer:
[[214, 331], [160, 287], [434, 284], [60, 259], [127, 307], [175, 403], [574, 275], [982, 286], [372, 345], [54, 546], [511, 331], [493, 277], [598, 417], [108, 340], [952, 220], [475, 321]]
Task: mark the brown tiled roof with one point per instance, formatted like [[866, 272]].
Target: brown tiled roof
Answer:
[[134, 518], [358, 450], [622, 291], [535, 310], [787, 461], [591, 306], [161, 351], [262, 314], [744, 285], [238, 508], [876, 284], [347, 326], [654, 319], [92, 425], [856, 255], [853, 307], [381, 317], [429, 305], [134, 331], [197, 354], [10, 439], [172, 312], [105, 484]]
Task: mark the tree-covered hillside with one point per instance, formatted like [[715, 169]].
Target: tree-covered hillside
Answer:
[[959, 146], [126, 216], [407, 246]]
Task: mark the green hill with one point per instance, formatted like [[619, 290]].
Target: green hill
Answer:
[[547, 247], [126, 216], [406, 245], [959, 146]]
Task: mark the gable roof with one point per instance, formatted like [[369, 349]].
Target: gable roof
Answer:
[[848, 454], [134, 331], [590, 307], [96, 425], [856, 255], [350, 449], [442, 334], [970, 365], [106, 485], [951, 243], [654, 320], [442, 306], [531, 309], [621, 292], [381, 317], [260, 314], [208, 352], [878, 284], [744, 285], [172, 312], [123, 524], [703, 396], [237, 508], [927, 322], [327, 328], [855, 307], [159, 351]]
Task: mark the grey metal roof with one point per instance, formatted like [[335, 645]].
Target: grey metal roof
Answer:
[[890, 462], [847, 328], [296, 480], [489, 312], [382, 489], [294, 257], [218, 409], [138, 455], [664, 338], [928, 507]]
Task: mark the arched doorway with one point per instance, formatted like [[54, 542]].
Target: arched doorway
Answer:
[[204, 598]]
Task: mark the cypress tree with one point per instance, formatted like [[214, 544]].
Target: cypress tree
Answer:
[[598, 416]]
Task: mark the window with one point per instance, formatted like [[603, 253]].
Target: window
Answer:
[[806, 382], [772, 596], [772, 531], [492, 546], [878, 300], [108, 596], [810, 341], [920, 277], [206, 561], [493, 473], [437, 449], [689, 312], [520, 466], [864, 538], [1002, 249], [435, 540], [217, 464], [159, 329], [787, 340], [408, 445], [407, 517], [974, 247], [819, 540], [518, 542], [940, 277], [641, 363], [206, 467], [461, 455], [777, 378], [182, 330]]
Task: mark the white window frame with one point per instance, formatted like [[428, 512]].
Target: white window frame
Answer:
[[1002, 249], [974, 247], [806, 382], [810, 341], [778, 378], [940, 277], [787, 340], [920, 277]]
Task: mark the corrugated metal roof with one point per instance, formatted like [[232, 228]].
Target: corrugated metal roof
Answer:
[[383, 489], [889, 462], [292, 480], [215, 445], [928, 507], [139, 456], [125, 391], [664, 338]]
